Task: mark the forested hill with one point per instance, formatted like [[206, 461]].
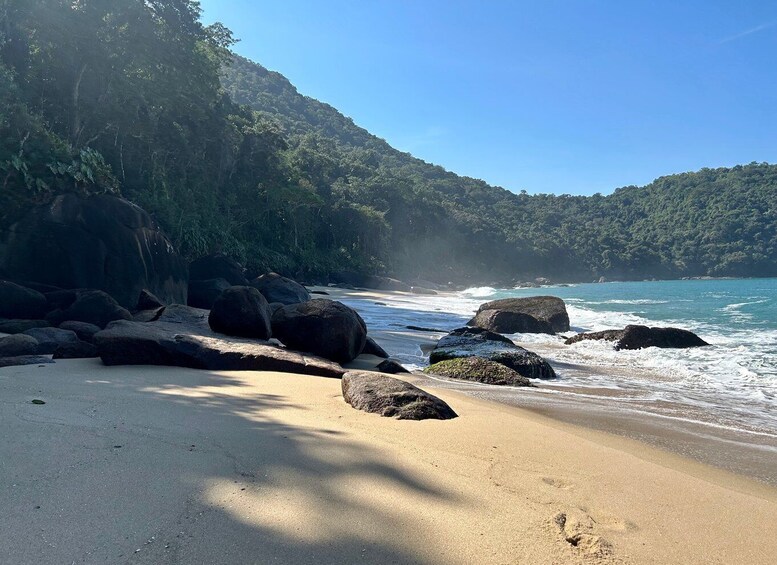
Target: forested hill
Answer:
[[142, 99]]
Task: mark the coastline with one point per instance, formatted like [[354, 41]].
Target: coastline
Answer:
[[169, 465]]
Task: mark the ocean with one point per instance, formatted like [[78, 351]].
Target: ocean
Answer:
[[731, 385]]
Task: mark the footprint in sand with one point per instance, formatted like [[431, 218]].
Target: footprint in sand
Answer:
[[558, 483], [578, 530]]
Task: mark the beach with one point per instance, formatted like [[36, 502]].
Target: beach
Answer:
[[172, 465]]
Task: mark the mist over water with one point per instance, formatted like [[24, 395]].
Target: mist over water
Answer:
[[731, 384]]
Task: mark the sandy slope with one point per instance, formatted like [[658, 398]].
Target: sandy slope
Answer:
[[167, 465]]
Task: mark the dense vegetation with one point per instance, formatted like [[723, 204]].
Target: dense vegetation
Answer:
[[140, 98]]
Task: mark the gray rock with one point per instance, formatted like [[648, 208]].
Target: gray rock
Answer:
[[78, 350], [478, 369], [241, 311], [639, 337], [51, 338], [20, 326], [20, 302], [276, 288], [391, 367], [323, 327], [371, 347], [536, 314], [83, 330], [477, 342], [390, 397], [147, 300], [18, 345]]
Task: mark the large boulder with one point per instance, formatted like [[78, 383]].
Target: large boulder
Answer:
[[85, 305], [323, 327], [536, 314], [217, 266], [639, 337], [101, 242], [478, 369], [18, 345], [188, 344], [241, 311], [477, 342], [387, 396], [203, 294], [21, 303], [49, 339], [276, 288]]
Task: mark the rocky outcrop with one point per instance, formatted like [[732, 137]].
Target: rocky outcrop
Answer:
[[19, 302], [323, 327], [101, 242], [477, 342], [202, 294], [217, 266], [640, 337], [371, 347], [179, 343], [81, 305], [276, 288], [50, 338], [478, 369], [535, 314], [241, 311], [390, 397]]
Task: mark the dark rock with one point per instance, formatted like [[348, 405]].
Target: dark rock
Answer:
[[274, 307], [606, 335], [390, 397], [322, 327], [183, 345], [24, 360], [639, 337], [321, 292], [536, 314], [241, 311], [100, 242], [477, 342], [90, 306], [422, 329], [385, 283], [51, 338], [478, 369], [83, 330], [202, 294], [276, 288], [391, 367], [188, 318], [217, 266], [20, 326], [421, 290], [78, 350], [148, 315], [371, 347], [148, 301], [18, 345], [19, 302]]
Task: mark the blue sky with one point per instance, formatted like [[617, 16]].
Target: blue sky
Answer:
[[576, 96]]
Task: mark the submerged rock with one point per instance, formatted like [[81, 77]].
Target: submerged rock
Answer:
[[535, 314], [478, 369], [390, 397], [477, 342], [639, 337]]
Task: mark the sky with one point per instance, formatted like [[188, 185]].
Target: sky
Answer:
[[554, 96]]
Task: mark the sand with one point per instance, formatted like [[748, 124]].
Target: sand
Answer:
[[167, 465]]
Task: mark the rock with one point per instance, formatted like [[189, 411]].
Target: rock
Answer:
[[78, 350], [478, 369], [102, 242], [323, 327], [241, 311], [51, 338], [321, 292], [424, 291], [477, 342], [202, 294], [20, 326], [536, 314], [148, 315], [187, 318], [385, 283], [639, 337], [183, 345], [90, 306], [371, 347], [24, 360], [148, 301], [276, 288], [390, 397], [217, 266], [19, 302], [18, 345], [422, 329], [274, 307], [83, 330], [391, 367]]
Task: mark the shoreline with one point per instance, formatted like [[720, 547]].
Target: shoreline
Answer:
[[751, 454]]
